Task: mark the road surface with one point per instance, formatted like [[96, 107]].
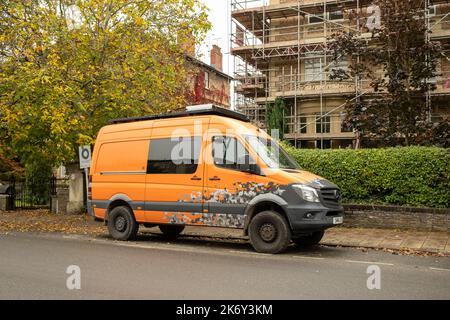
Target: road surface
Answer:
[[34, 267]]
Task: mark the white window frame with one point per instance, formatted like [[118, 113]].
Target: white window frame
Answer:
[[340, 11], [320, 121], [315, 16], [432, 11], [326, 17], [314, 76], [207, 79]]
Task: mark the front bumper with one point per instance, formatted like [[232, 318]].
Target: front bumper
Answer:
[[309, 218]]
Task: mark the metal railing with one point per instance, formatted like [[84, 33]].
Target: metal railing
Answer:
[[247, 4], [291, 33]]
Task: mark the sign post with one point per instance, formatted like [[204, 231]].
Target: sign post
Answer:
[[85, 163]]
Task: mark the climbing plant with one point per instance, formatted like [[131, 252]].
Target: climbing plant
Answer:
[[276, 113]]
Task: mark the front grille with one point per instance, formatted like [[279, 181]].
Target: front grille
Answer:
[[331, 198]]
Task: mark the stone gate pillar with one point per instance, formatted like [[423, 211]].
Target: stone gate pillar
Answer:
[[75, 204]]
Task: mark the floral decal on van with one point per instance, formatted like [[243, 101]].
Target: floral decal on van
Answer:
[[206, 219], [243, 193]]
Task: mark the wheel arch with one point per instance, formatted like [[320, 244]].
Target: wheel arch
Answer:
[[262, 203], [117, 201]]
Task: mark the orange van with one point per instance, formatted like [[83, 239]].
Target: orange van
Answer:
[[207, 166]]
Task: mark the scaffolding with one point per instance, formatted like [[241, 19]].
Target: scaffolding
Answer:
[[290, 33]]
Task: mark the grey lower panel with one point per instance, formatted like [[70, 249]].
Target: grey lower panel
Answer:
[[100, 204], [227, 208], [174, 206], [104, 204], [214, 207]]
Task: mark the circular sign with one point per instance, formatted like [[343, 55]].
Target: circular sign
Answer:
[[85, 154]]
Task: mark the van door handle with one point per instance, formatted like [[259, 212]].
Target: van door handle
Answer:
[[215, 178], [195, 178]]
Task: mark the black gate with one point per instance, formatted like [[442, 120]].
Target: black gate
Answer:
[[31, 193]]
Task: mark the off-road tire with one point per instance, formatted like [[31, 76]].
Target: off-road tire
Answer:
[[121, 224], [269, 232]]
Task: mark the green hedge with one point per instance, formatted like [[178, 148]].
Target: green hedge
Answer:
[[415, 176]]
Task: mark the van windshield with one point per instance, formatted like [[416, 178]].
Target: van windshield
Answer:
[[273, 155]]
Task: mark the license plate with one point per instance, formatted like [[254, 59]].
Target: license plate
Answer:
[[338, 220]]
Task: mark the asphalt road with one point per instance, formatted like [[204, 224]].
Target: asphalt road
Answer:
[[34, 267]]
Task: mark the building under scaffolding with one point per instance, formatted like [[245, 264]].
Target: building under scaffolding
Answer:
[[280, 51]]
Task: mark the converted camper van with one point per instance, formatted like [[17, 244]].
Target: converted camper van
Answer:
[[206, 166]]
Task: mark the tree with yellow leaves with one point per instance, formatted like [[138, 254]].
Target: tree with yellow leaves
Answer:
[[67, 67]]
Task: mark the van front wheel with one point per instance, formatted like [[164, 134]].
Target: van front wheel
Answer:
[[269, 232], [121, 224], [171, 231]]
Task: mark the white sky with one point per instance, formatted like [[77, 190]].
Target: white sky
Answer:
[[219, 16]]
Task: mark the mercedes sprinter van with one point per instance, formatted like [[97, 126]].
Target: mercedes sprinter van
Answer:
[[207, 166]]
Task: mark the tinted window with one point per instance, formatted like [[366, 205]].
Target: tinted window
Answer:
[[228, 153], [174, 156]]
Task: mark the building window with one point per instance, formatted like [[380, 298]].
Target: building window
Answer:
[[345, 127], [336, 66], [436, 118], [317, 18], [332, 16], [302, 144], [336, 15], [431, 11], [323, 144], [174, 156], [323, 124], [206, 80], [313, 69], [302, 124]]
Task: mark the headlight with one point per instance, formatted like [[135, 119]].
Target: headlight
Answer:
[[307, 193]]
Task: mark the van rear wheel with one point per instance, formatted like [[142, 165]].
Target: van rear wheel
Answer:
[[309, 240], [121, 224], [269, 232], [171, 231]]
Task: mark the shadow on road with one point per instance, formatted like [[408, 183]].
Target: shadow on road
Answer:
[[233, 244]]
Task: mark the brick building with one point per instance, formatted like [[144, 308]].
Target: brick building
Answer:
[[209, 84]]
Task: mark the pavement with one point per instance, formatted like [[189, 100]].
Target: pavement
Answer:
[[36, 266], [397, 241]]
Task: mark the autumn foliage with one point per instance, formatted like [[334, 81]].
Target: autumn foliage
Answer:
[[67, 67]]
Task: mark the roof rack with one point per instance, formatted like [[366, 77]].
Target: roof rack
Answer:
[[204, 109]]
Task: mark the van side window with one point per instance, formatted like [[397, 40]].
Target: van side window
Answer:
[[228, 152], [174, 156]]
